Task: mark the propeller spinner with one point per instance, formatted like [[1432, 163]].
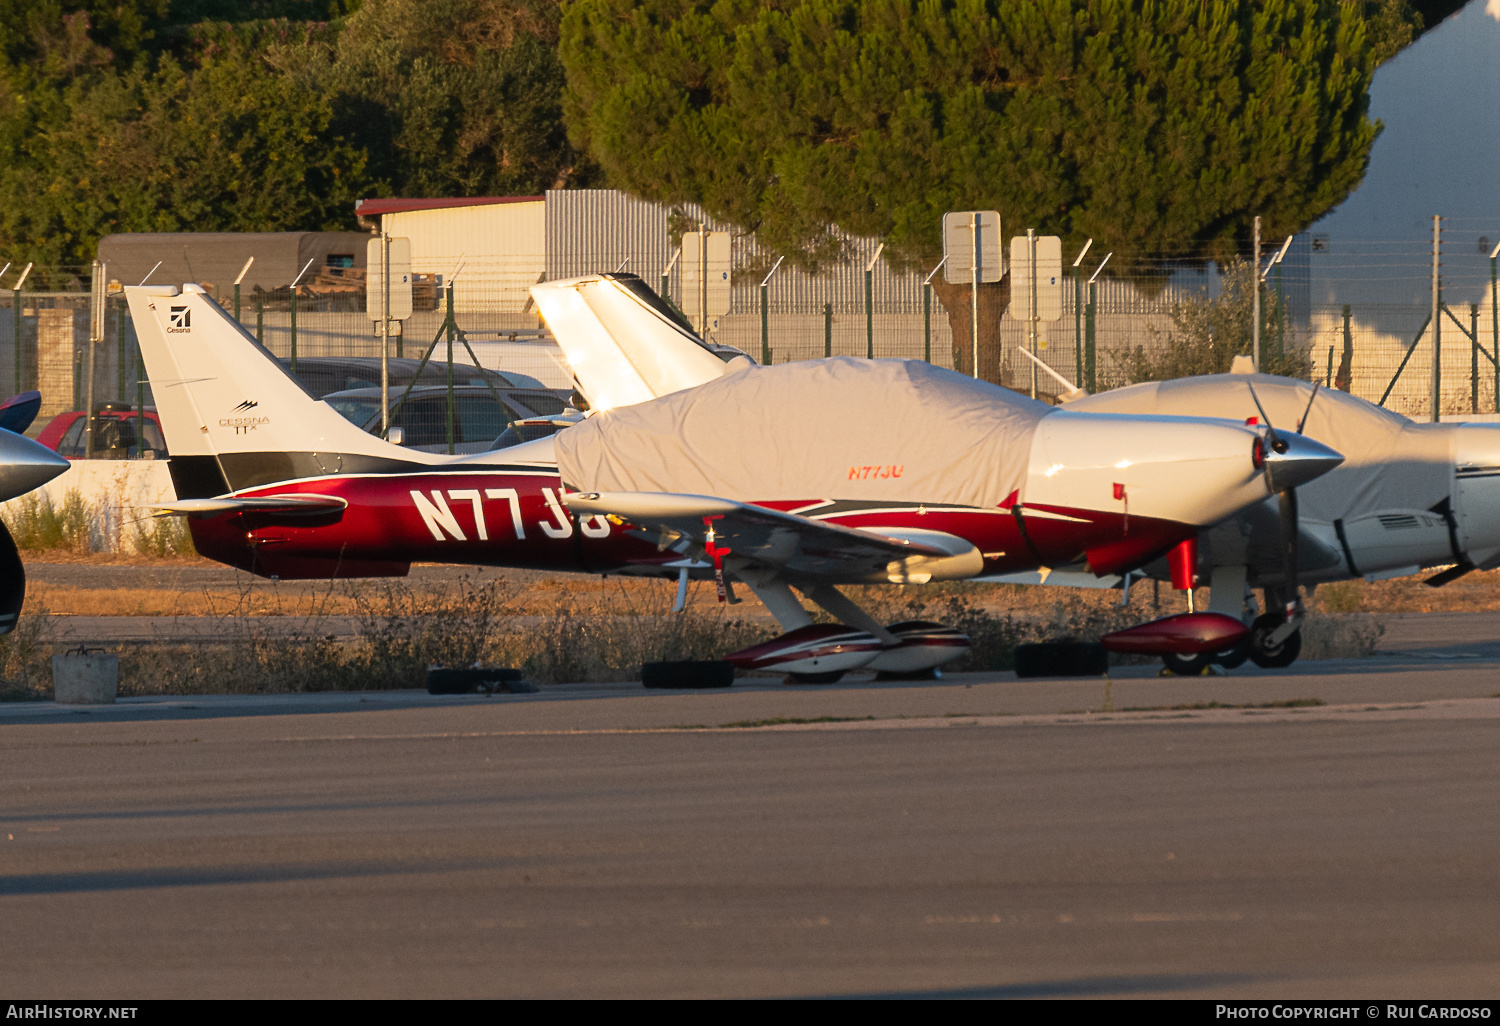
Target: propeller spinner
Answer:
[[1292, 459]]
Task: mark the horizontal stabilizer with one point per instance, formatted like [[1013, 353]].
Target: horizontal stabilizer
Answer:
[[17, 412], [284, 505]]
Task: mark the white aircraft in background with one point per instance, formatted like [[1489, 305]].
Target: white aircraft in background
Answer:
[[24, 465], [1407, 497]]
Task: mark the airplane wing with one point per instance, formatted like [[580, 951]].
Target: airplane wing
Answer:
[[283, 505], [796, 546]]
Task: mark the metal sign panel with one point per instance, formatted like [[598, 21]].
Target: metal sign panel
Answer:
[[1049, 278], [705, 276], [400, 280], [958, 246]]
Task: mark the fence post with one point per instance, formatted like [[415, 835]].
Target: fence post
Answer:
[[927, 322], [16, 304], [294, 329], [1088, 339], [827, 330], [869, 315], [927, 310], [1473, 357], [260, 317], [1495, 324], [765, 315], [120, 349], [1436, 321], [1346, 359], [1078, 320], [450, 326], [765, 326]]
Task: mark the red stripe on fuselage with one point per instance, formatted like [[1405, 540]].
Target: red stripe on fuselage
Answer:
[[471, 518]]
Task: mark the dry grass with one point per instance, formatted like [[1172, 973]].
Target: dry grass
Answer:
[[25, 659], [1475, 592]]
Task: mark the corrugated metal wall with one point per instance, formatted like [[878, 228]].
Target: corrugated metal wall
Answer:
[[594, 230], [502, 248]]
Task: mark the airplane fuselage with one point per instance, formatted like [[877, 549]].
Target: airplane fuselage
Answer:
[[514, 516]]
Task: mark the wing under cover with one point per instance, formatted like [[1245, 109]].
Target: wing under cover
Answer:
[[796, 547]]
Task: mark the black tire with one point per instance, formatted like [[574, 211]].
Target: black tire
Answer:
[[1061, 659], [443, 680], [1084, 659], [815, 678], [1232, 657], [1261, 651], [1187, 665], [688, 674], [1037, 660]]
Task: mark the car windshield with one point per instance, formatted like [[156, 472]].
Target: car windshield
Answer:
[[357, 410]]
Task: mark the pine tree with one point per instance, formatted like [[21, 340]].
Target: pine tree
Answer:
[[1155, 128]]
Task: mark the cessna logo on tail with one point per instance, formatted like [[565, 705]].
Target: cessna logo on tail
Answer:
[[243, 425], [180, 320], [248, 404]]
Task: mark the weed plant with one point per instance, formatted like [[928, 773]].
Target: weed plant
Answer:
[[81, 527], [25, 659], [36, 524]]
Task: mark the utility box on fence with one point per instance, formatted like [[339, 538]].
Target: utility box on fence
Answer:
[[85, 678]]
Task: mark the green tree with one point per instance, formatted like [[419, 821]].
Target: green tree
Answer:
[[1207, 334], [455, 97], [1156, 129], [231, 145]]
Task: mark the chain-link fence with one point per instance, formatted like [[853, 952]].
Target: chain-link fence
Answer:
[[1116, 326]]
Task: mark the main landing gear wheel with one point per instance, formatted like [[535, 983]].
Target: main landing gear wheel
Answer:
[[815, 678], [1263, 653], [1232, 657], [1184, 665]]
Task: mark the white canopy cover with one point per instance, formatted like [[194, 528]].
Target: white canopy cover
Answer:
[[843, 428]]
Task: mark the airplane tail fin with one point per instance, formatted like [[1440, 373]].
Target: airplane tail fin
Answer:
[[625, 344], [232, 416]]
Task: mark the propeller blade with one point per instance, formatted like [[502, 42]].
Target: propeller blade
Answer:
[[12, 582], [1287, 502], [1303, 421], [1277, 445]]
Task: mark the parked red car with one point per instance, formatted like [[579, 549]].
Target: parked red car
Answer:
[[114, 433]]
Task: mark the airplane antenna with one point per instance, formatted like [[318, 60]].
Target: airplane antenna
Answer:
[[621, 267], [1305, 412], [150, 273]]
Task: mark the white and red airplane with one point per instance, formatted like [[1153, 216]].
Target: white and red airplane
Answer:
[[801, 476]]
